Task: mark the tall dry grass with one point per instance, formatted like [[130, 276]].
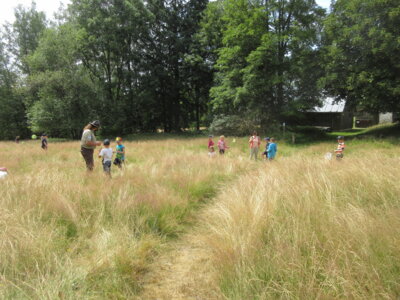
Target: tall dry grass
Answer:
[[306, 228], [299, 227], [66, 234]]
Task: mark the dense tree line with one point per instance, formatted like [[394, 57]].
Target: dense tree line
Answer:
[[171, 64]]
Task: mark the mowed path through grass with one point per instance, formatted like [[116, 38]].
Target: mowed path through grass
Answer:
[[178, 225], [298, 228]]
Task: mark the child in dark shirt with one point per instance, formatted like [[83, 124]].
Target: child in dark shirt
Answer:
[[265, 153], [44, 141]]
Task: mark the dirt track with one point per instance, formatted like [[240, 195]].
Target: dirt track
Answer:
[[182, 272]]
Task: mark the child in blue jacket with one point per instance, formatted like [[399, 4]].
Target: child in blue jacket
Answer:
[[272, 149]]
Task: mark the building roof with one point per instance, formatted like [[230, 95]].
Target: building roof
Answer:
[[330, 105]]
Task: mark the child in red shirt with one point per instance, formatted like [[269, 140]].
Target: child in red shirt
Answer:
[[210, 142]]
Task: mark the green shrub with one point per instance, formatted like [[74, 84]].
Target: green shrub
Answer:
[[232, 125]]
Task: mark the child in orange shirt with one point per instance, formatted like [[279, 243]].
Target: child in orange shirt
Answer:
[[254, 143], [340, 147]]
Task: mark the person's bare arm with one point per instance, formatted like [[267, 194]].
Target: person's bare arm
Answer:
[[93, 144]]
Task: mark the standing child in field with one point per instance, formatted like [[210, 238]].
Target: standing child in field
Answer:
[[340, 147], [106, 153], [44, 142], [211, 152], [265, 153], [254, 143], [272, 149], [120, 153], [210, 142], [222, 146]]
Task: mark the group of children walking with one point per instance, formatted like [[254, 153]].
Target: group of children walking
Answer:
[[254, 143], [269, 153], [89, 143], [222, 146], [271, 147]]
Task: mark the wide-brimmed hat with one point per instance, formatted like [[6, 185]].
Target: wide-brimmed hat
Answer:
[[95, 123]]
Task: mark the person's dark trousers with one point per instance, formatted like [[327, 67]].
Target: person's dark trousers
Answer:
[[88, 157]]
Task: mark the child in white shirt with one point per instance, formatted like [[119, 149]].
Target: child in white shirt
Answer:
[[3, 172], [106, 153]]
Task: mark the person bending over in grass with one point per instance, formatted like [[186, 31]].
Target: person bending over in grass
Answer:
[[44, 141], [265, 153], [106, 153], [254, 143], [340, 147], [89, 143], [272, 149], [222, 146], [120, 153]]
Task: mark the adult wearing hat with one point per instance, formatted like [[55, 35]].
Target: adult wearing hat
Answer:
[[89, 143]]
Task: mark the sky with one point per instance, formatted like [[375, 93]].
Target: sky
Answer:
[[324, 3], [51, 6], [48, 6]]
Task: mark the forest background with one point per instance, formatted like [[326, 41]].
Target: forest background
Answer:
[[170, 65]]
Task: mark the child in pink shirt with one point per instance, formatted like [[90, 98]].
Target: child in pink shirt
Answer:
[[222, 146]]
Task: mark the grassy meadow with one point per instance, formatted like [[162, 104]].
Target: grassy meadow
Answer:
[[299, 227], [66, 233], [307, 228]]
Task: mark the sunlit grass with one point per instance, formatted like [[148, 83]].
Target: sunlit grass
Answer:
[[307, 228], [66, 233], [299, 227]]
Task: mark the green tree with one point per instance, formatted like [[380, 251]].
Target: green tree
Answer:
[[12, 113], [197, 65], [268, 63], [24, 34], [66, 97], [137, 52], [19, 40], [201, 59], [363, 53], [174, 61], [109, 30]]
